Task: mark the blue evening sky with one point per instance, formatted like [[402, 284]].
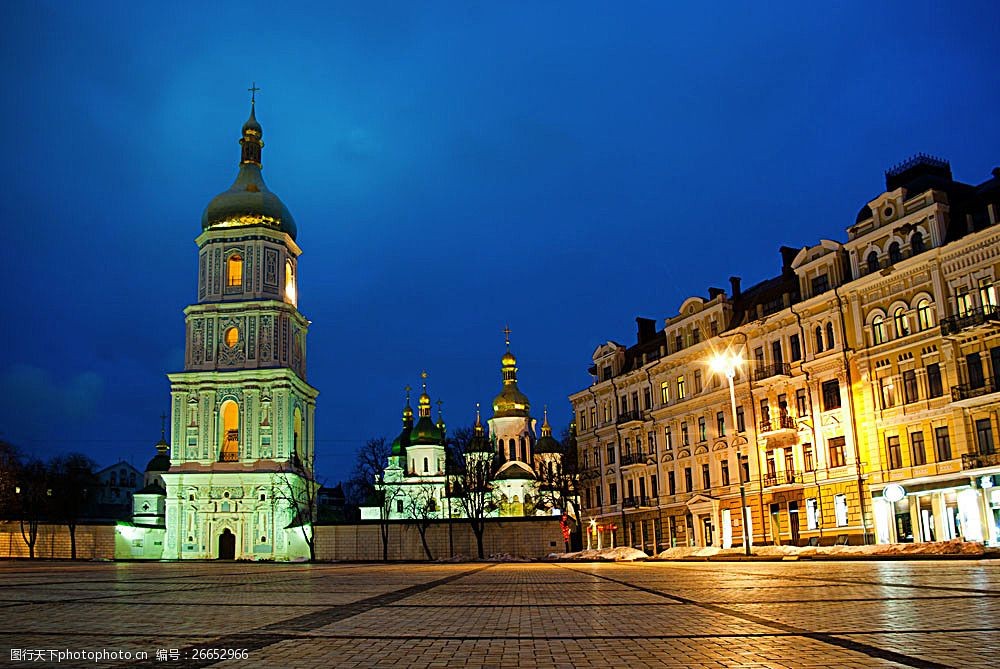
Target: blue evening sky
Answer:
[[452, 166]]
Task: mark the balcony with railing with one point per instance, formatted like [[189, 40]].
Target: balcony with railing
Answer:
[[969, 391], [629, 459], [986, 315], [980, 460], [638, 502], [762, 371], [786, 477], [777, 424], [629, 416]]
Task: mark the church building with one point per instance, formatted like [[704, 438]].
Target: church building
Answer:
[[241, 420], [415, 481]]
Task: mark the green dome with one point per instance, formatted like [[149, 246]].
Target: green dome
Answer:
[[400, 443], [547, 444], [425, 432]]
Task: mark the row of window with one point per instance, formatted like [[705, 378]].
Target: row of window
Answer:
[[895, 252], [901, 324], [942, 445]]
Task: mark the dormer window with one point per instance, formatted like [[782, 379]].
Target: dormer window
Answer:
[[917, 242]]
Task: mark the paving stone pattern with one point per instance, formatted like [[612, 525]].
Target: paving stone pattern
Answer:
[[784, 615]]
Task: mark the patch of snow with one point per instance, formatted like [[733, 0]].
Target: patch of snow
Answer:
[[620, 554], [953, 547]]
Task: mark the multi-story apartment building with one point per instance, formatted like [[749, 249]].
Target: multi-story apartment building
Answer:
[[865, 363]]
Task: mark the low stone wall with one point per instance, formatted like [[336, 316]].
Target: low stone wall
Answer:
[[523, 537], [92, 541]]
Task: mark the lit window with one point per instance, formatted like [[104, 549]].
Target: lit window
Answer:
[[812, 514], [925, 319], [878, 330], [899, 320], [840, 509], [290, 292], [680, 387], [234, 270], [232, 337]]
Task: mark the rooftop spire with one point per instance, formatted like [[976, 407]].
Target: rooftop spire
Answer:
[[477, 429], [546, 428], [506, 336], [424, 403], [252, 133], [407, 410], [162, 446]]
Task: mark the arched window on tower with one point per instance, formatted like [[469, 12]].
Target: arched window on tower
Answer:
[[512, 449], [524, 450], [230, 435], [829, 335], [819, 339], [873, 261], [297, 437], [234, 271], [290, 289], [427, 466]]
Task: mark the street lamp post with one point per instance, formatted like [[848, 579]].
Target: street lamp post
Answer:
[[727, 364]]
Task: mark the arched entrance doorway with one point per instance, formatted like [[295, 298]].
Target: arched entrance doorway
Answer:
[[227, 545]]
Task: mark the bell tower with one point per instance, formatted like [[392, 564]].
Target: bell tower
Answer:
[[241, 420]]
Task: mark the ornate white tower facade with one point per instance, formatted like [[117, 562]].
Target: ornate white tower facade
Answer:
[[241, 451], [512, 430]]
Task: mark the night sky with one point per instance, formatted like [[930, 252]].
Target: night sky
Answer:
[[452, 167]]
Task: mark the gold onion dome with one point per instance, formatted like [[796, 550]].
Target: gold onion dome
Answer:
[[511, 401], [160, 461], [248, 202], [547, 443]]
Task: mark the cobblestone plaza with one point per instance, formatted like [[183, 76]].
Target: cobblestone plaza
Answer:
[[691, 614]]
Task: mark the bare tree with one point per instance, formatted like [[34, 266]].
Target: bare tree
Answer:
[[475, 464], [10, 466], [34, 495], [294, 485], [73, 482], [421, 506], [369, 479]]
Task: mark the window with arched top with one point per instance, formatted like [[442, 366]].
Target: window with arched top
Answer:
[[512, 449], [819, 339], [297, 433], [232, 337], [899, 322], [895, 255], [230, 435], [829, 335], [878, 330], [234, 271], [872, 261], [290, 289], [917, 242], [925, 317], [427, 466]]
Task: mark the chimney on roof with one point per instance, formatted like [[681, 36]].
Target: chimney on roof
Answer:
[[734, 281], [647, 329], [787, 258], [715, 292]]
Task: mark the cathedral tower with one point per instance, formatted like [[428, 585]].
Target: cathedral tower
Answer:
[[242, 411]]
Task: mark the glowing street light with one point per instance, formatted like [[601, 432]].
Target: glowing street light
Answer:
[[727, 364]]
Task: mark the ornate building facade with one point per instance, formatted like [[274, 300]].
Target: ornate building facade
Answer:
[[241, 420], [866, 364]]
